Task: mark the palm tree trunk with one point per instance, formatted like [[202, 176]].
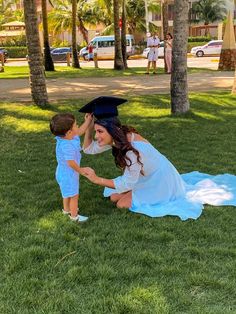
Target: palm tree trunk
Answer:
[[37, 77], [75, 59], [234, 86], [165, 24], [48, 63], [118, 61], [207, 32], [83, 30], [123, 35], [179, 83]]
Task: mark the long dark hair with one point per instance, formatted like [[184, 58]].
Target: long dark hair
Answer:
[[121, 144]]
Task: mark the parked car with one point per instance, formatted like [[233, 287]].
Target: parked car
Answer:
[[105, 47], [5, 54], [59, 54], [211, 48], [160, 51]]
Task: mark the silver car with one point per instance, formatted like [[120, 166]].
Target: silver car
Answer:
[[160, 51], [211, 48]]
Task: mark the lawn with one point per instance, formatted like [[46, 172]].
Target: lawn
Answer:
[[117, 262], [69, 72]]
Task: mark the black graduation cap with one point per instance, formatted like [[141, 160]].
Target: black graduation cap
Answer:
[[103, 106]]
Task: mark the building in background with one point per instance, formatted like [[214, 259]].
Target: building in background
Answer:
[[11, 30], [197, 29]]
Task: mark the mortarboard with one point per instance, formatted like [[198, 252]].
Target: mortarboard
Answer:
[[103, 106]]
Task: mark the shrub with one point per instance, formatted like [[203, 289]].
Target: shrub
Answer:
[[16, 52], [199, 39], [16, 41]]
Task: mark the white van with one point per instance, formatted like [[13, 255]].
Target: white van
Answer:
[[105, 47]]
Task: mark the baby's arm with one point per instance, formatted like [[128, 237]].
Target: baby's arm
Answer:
[[81, 170], [83, 127]]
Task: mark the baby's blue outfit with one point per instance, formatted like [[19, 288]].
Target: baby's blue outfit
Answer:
[[162, 191], [67, 178]]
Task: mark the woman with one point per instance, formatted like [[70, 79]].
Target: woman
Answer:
[[150, 184], [168, 52], [153, 43]]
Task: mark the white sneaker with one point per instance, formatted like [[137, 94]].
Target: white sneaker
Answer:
[[65, 212], [79, 218]]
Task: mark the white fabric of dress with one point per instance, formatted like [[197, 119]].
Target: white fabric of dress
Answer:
[[153, 53], [162, 191]]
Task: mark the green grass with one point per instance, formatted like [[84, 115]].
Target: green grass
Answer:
[[118, 262], [16, 72]]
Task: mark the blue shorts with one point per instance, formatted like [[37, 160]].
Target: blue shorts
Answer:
[[68, 180]]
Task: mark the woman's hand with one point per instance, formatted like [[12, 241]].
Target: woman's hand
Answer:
[[92, 177], [85, 171]]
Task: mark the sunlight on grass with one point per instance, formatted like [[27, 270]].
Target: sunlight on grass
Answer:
[[27, 110], [118, 262], [139, 299], [47, 223], [24, 125], [208, 116]]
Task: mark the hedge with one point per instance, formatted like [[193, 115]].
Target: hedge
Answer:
[[199, 39], [16, 52]]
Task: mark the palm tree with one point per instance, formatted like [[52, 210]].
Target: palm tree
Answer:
[[165, 24], [48, 63], [123, 34], [135, 14], [6, 14], [87, 13], [75, 59], [208, 11], [37, 78], [227, 60], [179, 84], [118, 61], [234, 85]]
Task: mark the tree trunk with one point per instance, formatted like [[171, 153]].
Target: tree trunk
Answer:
[[83, 30], [123, 35], [48, 63], [37, 77], [118, 61], [75, 59], [207, 32], [165, 25], [234, 86], [179, 84]]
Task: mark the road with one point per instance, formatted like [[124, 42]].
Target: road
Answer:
[[205, 62]]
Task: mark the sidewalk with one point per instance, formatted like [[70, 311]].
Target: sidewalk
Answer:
[[19, 90]]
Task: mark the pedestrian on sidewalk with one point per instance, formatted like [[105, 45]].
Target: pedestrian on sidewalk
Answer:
[[153, 43], [168, 52], [90, 52]]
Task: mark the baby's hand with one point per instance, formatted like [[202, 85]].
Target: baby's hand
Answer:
[[88, 117], [86, 171], [92, 177]]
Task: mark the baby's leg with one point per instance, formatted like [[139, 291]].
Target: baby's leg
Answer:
[[66, 204], [74, 205]]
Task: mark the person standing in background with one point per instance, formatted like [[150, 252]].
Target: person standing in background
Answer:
[[153, 43], [90, 52], [168, 52]]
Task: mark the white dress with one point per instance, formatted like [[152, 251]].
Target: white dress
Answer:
[[153, 53], [162, 190]]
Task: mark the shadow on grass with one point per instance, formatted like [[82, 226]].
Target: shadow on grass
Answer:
[[129, 263]]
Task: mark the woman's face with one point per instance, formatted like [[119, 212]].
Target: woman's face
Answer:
[[102, 136]]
